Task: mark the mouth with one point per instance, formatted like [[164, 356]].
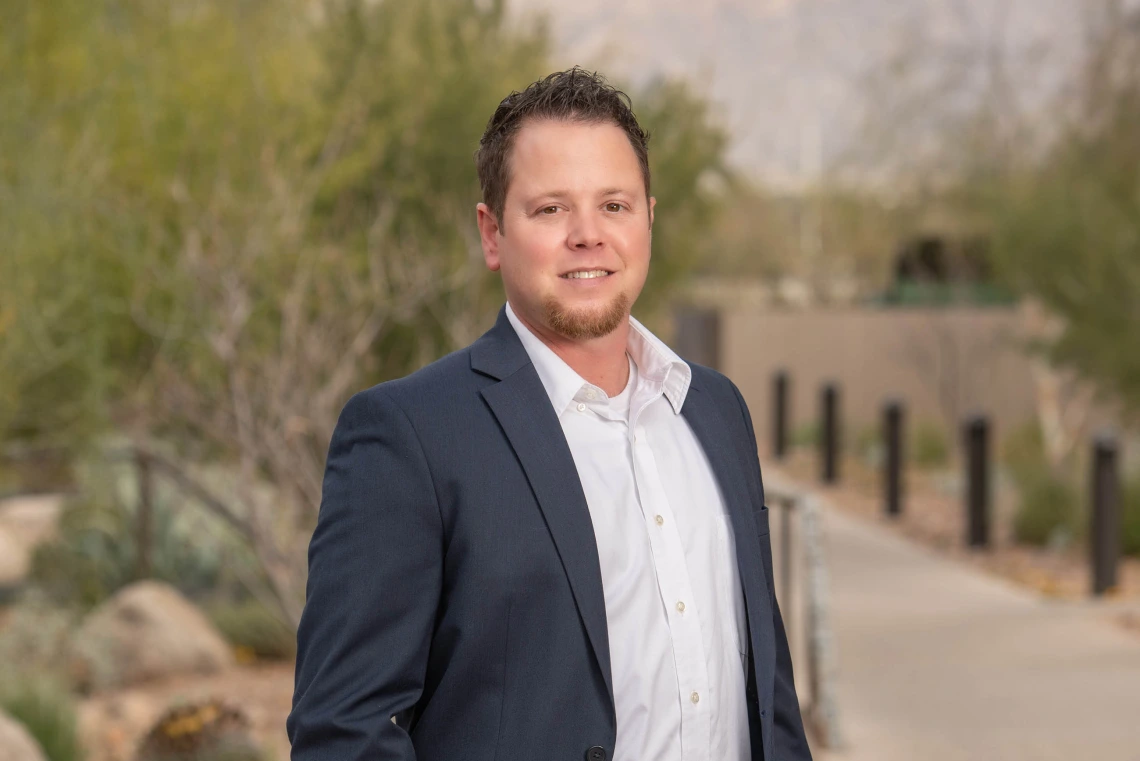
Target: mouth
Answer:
[[586, 274]]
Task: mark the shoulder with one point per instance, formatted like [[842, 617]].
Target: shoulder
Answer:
[[440, 388], [726, 397], [717, 385]]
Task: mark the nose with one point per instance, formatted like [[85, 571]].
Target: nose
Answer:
[[585, 233]]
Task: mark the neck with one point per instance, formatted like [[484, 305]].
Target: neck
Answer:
[[600, 361]]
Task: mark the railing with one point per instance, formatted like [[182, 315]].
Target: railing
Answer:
[[798, 505]]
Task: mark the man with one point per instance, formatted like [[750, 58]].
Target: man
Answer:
[[552, 544]]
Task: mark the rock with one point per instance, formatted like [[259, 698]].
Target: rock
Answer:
[[147, 631], [14, 560], [15, 742], [206, 730], [32, 519], [25, 522]]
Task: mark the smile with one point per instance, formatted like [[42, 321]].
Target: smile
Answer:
[[585, 274]]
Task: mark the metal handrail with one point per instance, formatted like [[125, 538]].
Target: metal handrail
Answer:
[[822, 713]]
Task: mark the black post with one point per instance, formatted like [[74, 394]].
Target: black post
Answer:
[[697, 335], [780, 415], [829, 434], [1105, 529], [893, 461], [977, 481]]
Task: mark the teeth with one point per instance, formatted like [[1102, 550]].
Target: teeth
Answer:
[[585, 274]]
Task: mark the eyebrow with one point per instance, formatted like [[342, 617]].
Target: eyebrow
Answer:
[[565, 193]]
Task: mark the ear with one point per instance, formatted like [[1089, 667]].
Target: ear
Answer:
[[489, 234], [652, 203]]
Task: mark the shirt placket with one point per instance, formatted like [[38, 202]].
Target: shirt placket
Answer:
[[676, 590]]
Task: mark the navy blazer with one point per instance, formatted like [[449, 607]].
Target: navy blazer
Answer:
[[454, 581]]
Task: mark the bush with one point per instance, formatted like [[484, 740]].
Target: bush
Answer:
[[1049, 506], [806, 435], [250, 626], [35, 642], [868, 445], [1023, 452], [96, 551], [47, 711], [209, 730], [1130, 518], [928, 446]]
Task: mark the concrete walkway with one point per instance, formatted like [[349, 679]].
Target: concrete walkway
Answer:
[[939, 662]]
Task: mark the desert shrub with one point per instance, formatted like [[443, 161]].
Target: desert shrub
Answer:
[[47, 711], [928, 445], [1049, 506], [253, 627], [868, 444], [35, 641], [1130, 518], [209, 730], [96, 551], [806, 435], [1023, 452]]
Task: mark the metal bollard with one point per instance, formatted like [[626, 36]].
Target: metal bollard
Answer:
[[977, 481], [697, 335], [1104, 533], [780, 415], [829, 434], [893, 460]]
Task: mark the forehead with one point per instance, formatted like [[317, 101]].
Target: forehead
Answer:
[[572, 155]]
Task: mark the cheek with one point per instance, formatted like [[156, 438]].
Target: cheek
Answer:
[[635, 244], [531, 250]]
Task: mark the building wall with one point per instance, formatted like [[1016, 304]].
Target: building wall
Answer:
[[944, 363]]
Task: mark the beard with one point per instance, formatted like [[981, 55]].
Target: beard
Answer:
[[583, 324]]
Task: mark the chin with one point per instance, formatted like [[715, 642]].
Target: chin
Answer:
[[583, 323]]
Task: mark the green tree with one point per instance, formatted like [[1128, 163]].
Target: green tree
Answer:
[[1067, 227], [221, 219]]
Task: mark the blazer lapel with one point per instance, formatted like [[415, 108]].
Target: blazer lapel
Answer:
[[522, 407], [709, 426]]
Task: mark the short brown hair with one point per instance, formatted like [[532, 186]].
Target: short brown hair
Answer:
[[571, 95]]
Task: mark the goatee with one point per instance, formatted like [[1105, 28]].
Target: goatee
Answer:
[[582, 324]]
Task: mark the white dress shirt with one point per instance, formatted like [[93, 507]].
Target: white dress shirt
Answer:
[[674, 607]]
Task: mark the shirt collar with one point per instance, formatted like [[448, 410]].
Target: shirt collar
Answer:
[[656, 364]]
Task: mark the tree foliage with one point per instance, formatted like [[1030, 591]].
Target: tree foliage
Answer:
[[221, 219], [1067, 226]]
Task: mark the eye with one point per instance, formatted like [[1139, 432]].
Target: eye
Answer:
[[548, 210], [614, 206]]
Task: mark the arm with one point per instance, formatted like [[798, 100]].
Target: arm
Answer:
[[374, 583], [789, 741]]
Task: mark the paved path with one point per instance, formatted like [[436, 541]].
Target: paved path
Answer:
[[939, 662]]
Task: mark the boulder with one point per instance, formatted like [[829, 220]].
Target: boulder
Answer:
[[15, 742], [25, 522], [14, 560], [32, 519], [147, 631]]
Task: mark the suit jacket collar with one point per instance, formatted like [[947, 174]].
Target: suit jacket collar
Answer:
[[499, 353], [522, 407]]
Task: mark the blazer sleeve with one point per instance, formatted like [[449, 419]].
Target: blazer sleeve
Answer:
[[789, 741], [375, 570]]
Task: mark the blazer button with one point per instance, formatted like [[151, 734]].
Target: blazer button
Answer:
[[596, 753]]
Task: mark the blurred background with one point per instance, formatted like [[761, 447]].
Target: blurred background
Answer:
[[908, 230]]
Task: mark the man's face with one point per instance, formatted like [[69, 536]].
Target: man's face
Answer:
[[574, 247]]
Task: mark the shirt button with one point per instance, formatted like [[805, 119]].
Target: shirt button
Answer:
[[581, 407], [695, 697], [591, 395], [660, 520], [681, 609]]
